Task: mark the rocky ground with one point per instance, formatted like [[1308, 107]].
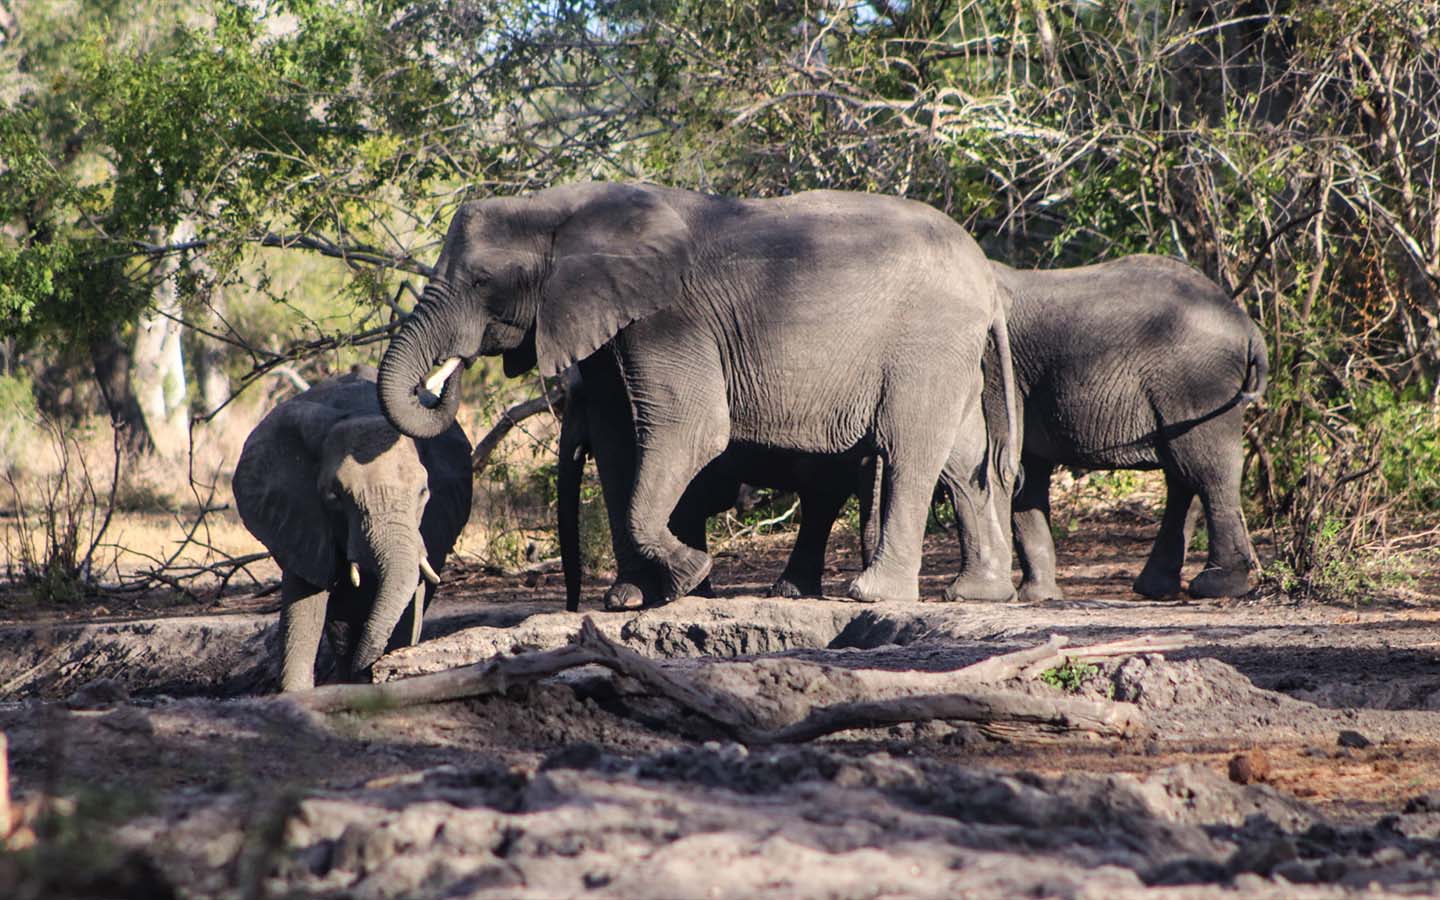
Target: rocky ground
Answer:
[[1288, 750]]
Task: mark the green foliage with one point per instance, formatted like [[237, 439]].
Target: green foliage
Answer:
[[1070, 676]]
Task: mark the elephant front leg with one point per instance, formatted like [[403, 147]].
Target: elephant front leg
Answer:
[[1160, 579], [302, 622], [1034, 541]]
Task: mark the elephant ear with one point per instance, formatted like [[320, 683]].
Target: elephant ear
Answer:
[[619, 258], [276, 492], [447, 461]]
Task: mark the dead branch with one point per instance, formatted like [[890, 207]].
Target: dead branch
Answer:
[[1112, 719], [1005, 709], [511, 417], [494, 676], [719, 707]]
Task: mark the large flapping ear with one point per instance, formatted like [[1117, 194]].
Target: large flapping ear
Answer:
[[619, 258], [276, 492], [446, 459]]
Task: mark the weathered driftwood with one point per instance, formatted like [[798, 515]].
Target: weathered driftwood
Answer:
[[494, 676], [958, 695], [1108, 719], [480, 457]]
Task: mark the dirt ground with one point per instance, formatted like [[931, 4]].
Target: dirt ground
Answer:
[[145, 760]]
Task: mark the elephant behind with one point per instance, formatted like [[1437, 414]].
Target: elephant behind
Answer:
[[359, 518], [822, 323], [1136, 363], [597, 423]]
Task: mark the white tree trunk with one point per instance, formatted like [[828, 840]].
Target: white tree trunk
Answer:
[[159, 363]]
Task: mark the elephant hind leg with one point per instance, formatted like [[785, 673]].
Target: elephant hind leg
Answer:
[[985, 550], [1034, 542], [1209, 458]]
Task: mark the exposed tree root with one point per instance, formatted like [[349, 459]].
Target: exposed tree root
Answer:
[[968, 694]]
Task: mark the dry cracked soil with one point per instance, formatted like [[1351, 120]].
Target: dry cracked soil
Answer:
[[1290, 750]]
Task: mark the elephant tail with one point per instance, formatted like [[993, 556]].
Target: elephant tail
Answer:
[[1008, 461], [567, 489], [1257, 369]]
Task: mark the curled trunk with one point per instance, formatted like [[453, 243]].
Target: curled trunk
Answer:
[[424, 341]]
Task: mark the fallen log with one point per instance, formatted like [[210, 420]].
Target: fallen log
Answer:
[[958, 695]]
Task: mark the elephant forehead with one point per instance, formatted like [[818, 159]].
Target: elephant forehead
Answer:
[[370, 446]]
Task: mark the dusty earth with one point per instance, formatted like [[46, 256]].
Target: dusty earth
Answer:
[[146, 762]]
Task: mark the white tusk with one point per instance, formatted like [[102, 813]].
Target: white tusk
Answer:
[[419, 611], [354, 574], [436, 381], [428, 572]]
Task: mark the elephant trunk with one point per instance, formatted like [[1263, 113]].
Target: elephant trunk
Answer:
[[426, 339], [398, 571]]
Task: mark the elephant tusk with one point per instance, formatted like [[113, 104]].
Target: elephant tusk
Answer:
[[428, 572], [354, 574], [418, 612], [437, 379]]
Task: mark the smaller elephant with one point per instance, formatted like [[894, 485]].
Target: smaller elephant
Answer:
[[358, 516], [1137, 363]]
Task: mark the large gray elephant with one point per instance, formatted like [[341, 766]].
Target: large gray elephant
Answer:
[[359, 518], [1137, 363], [821, 323]]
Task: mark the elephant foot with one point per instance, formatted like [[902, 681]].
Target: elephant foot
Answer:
[[1039, 591], [1157, 586], [794, 588], [873, 587], [1217, 582], [980, 590], [689, 568], [623, 595]]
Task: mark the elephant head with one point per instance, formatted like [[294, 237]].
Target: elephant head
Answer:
[[345, 502], [544, 280]]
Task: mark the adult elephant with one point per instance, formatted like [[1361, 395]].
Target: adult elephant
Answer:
[[826, 323], [1137, 363], [359, 518]]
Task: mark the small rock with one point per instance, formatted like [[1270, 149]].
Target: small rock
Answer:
[[1250, 767], [1354, 740], [1423, 803], [102, 693]]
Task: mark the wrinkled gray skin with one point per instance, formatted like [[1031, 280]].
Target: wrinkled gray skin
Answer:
[[821, 323], [593, 427], [324, 481], [1138, 363]]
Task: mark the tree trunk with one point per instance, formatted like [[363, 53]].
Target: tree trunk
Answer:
[[159, 361], [110, 360]]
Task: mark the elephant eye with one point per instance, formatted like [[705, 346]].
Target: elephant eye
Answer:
[[331, 496]]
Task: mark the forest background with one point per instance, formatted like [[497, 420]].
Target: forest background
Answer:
[[205, 206]]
